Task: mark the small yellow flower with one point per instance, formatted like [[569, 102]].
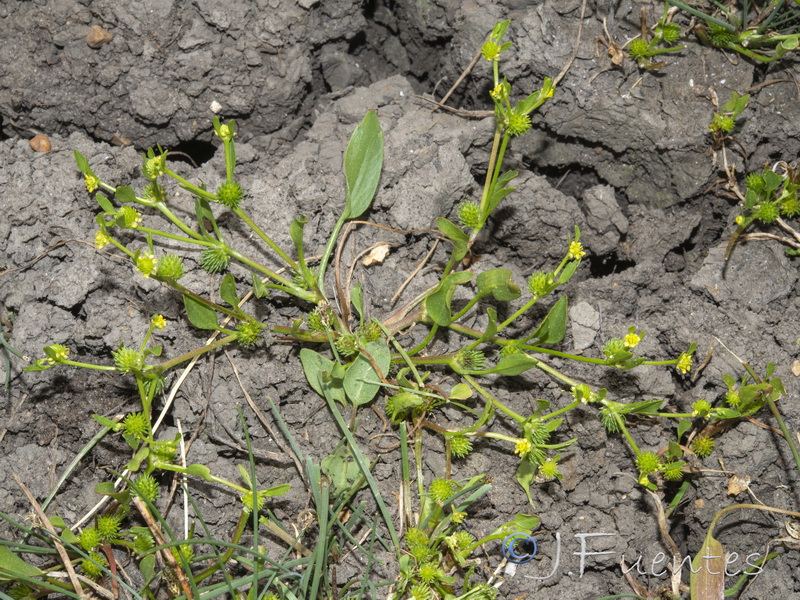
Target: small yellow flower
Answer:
[[576, 251], [491, 50], [631, 340], [497, 92], [158, 321], [684, 363], [101, 240], [458, 517], [739, 220], [92, 183], [523, 447], [147, 263]]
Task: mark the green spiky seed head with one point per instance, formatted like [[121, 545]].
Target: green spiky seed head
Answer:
[[170, 267], [723, 123], [670, 32], [369, 332], [148, 487], [471, 360], [249, 333], [701, 408], [609, 420], [463, 539], [469, 214], [536, 431], [214, 260], [548, 470], [108, 527], [315, 322], [416, 539], [430, 572], [732, 398], [441, 489], [719, 36], [94, 568], [672, 471], [703, 446], [638, 49], [648, 462], [164, 451], [154, 167], [517, 124], [136, 424], [230, 194], [768, 212], [421, 591], [540, 284], [154, 191], [613, 347], [755, 182], [347, 344], [247, 500], [460, 446], [143, 543], [129, 218], [89, 539], [20, 591], [509, 349], [186, 551], [127, 359], [790, 207]]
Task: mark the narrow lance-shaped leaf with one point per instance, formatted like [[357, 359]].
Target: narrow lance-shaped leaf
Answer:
[[227, 290], [707, 581], [363, 161]]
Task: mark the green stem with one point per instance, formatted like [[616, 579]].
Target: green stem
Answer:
[[75, 363], [517, 314], [173, 218], [326, 254], [494, 401], [267, 240], [560, 411], [168, 364], [197, 191], [172, 236]]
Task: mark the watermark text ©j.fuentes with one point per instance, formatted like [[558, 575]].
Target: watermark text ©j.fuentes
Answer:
[[660, 565]]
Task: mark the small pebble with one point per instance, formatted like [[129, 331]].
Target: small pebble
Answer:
[[97, 36], [40, 143]]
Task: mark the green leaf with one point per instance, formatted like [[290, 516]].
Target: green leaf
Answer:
[[276, 490], [341, 468], [512, 365], [456, 235], [107, 489], [357, 298], [227, 291], [147, 567], [554, 326], [402, 404], [497, 282], [500, 191], [259, 289], [105, 204], [12, 567], [205, 216], [491, 327], [83, 164], [362, 165], [526, 471], [125, 194], [568, 272], [438, 303], [707, 580], [243, 473], [134, 463], [315, 367], [358, 381], [200, 315], [684, 425], [201, 471], [460, 391]]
